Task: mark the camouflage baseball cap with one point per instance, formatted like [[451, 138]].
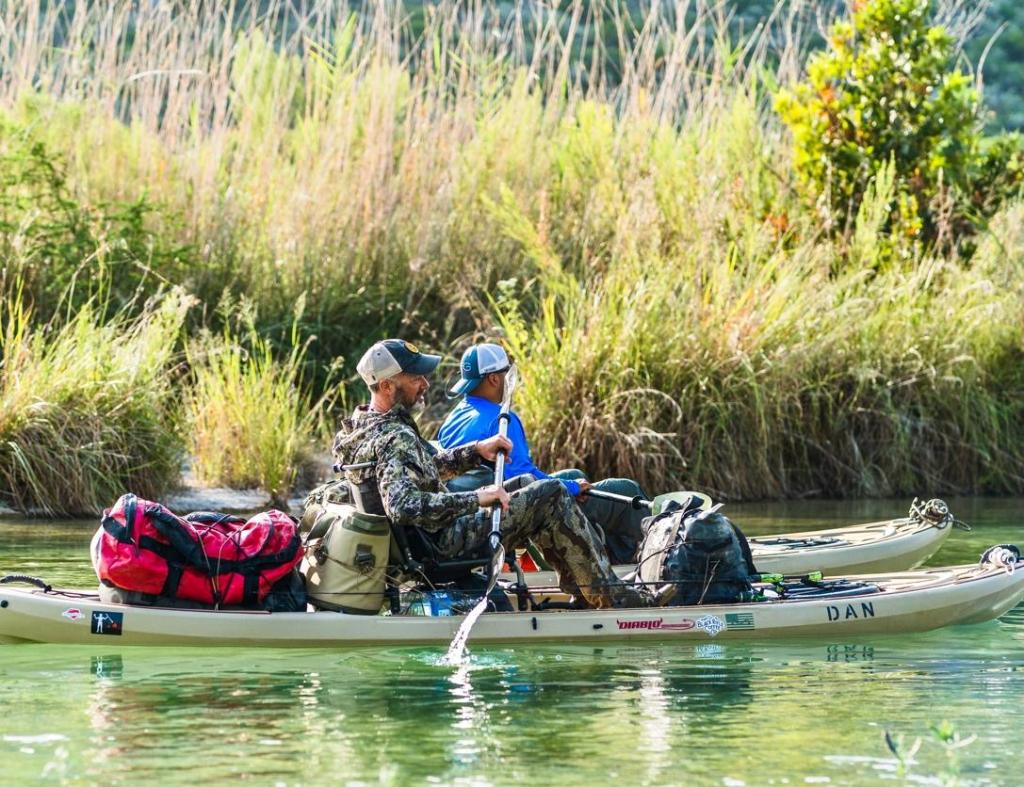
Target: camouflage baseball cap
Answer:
[[393, 356]]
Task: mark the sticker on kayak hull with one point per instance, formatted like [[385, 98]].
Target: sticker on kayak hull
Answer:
[[655, 624], [72, 614], [711, 624], [739, 620], [109, 623]]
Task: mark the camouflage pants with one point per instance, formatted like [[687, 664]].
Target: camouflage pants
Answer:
[[543, 512], [620, 522]]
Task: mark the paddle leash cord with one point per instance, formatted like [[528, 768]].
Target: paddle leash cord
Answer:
[[28, 580], [43, 586]]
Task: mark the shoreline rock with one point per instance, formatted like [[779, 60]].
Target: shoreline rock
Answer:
[[229, 501]]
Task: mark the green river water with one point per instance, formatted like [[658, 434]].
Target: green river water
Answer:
[[713, 713]]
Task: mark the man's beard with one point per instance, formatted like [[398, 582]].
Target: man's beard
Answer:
[[413, 403]]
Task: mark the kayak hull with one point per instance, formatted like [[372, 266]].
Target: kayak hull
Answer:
[[907, 602], [875, 547]]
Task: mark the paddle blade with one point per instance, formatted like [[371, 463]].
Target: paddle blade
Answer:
[[497, 563], [511, 381]]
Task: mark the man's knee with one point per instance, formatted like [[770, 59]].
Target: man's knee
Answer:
[[546, 489], [620, 486], [541, 498], [518, 482]]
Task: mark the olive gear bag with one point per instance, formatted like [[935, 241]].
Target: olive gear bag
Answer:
[[346, 558]]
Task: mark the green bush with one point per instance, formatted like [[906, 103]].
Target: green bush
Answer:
[[65, 252], [999, 175], [887, 90]]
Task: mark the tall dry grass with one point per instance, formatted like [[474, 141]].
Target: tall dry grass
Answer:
[[339, 153], [249, 422], [629, 220], [87, 408]]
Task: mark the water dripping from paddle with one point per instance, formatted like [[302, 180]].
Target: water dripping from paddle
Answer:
[[457, 649], [458, 646]]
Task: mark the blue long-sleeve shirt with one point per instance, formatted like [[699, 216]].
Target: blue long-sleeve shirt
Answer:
[[476, 418]]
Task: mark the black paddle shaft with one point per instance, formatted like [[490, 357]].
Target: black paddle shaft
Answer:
[[636, 501]]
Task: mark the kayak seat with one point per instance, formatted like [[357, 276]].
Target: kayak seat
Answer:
[[415, 556]]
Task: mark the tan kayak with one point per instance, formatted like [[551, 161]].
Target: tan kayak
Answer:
[[874, 604], [871, 548], [876, 547]]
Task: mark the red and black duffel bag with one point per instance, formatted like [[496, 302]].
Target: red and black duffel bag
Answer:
[[215, 560]]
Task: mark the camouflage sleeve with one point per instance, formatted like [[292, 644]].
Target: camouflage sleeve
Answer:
[[404, 502], [455, 461]]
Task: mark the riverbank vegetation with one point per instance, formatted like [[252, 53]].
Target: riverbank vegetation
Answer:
[[694, 301], [87, 406], [249, 424]]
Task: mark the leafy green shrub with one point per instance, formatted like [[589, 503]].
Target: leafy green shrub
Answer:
[[87, 408], [999, 175], [886, 89], [65, 252]]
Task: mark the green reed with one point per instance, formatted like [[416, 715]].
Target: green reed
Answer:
[[87, 408], [249, 423], [638, 240]]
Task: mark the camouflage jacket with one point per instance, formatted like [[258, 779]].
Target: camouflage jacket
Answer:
[[409, 470]]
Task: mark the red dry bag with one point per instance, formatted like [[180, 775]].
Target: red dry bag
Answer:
[[210, 558]]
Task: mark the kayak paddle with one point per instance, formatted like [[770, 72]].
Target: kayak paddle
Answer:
[[497, 550]]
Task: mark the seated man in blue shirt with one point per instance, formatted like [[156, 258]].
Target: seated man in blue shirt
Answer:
[[483, 368]]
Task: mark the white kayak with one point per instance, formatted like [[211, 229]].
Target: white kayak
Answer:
[[896, 603], [870, 548], [875, 547]]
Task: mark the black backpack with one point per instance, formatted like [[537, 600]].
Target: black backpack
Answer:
[[691, 556]]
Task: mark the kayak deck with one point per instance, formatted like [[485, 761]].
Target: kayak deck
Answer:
[[902, 603]]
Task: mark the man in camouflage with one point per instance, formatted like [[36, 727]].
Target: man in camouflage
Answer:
[[407, 473]]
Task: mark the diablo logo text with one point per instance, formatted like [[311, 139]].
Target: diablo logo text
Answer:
[[658, 624]]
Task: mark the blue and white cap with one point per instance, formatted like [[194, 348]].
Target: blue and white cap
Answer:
[[477, 362]]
